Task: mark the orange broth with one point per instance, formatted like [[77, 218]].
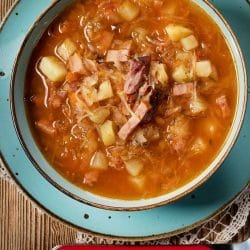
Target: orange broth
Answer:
[[177, 142]]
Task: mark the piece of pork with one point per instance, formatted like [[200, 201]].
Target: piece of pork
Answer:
[[139, 70], [117, 55], [183, 89], [134, 121], [155, 98]]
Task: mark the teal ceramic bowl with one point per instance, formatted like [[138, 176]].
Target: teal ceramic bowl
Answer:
[[25, 136]]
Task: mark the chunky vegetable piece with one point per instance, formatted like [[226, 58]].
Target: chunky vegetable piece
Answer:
[[205, 69], [134, 167], [105, 91], [75, 64], [108, 133], [128, 10], [99, 115], [182, 74], [158, 71], [52, 68], [199, 146], [197, 105], [177, 32], [89, 94], [131, 99], [138, 182], [91, 80], [189, 42], [99, 161], [66, 49]]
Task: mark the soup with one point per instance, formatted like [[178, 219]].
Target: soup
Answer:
[[131, 99]]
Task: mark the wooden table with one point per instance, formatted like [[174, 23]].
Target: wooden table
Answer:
[[24, 225]]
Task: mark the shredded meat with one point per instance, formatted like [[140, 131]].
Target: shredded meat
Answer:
[[155, 98], [139, 70], [134, 77], [183, 89]]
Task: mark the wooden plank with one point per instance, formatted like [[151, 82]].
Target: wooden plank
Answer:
[[5, 6], [24, 226]]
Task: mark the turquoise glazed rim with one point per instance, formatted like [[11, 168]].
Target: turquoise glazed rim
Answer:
[[38, 160]]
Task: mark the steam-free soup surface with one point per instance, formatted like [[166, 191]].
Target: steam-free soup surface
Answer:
[[131, 99]]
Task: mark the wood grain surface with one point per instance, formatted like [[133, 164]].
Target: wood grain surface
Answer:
[[25, 226]]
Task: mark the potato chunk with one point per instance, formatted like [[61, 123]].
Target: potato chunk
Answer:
[[53, 68], [184, 56], [89, 94], [105, 91], [134, 167], [198, 146], [197, 105], [66, 49], [128, 10], [138, 181], [99, 116], [99, 161], [189, 42], [181, 74], [177, 32], [91, 80], [107, 131], [158, 71], [179, 127], [205, 69]]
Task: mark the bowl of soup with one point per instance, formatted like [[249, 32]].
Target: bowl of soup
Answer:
[[128, 105]]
